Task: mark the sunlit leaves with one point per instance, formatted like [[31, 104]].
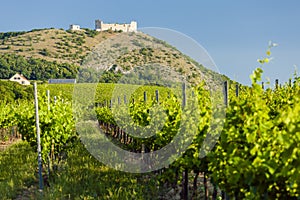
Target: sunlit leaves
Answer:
[[260, 137]]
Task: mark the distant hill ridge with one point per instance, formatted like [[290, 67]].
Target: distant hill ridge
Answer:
[[59, 53], [53, 44]]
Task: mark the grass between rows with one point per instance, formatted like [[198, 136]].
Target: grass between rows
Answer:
[[80, 176], [17, 170]]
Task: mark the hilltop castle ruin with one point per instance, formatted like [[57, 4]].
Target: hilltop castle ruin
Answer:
[[100, 26]]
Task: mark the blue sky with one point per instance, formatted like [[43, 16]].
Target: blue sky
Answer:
[[234, 33]]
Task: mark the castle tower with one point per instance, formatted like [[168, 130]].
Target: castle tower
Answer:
[[133, 26], [98, 25]]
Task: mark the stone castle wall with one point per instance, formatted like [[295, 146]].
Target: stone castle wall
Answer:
[[100, 26]]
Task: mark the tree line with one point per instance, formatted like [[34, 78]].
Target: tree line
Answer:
[[12, 91], [34, 68]]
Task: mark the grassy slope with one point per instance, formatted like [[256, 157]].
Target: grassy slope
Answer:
[[53, 44], [73, 47]]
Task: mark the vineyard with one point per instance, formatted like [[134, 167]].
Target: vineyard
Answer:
[[256, 155]]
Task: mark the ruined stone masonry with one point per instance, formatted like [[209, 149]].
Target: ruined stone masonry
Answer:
[[100, 26]]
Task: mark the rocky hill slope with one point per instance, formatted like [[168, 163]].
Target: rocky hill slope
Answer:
[[59, 53]]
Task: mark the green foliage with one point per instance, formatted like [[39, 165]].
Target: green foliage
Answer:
[[88, 75], [56, 125], [45, 52], [34, 69], [91, 33], [12, 91], [175, 121], [110, 77], [10, 34], [256, 157], [7, 35]]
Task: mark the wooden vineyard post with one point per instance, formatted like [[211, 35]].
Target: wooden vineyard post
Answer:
[[52, 146], [237, 90], [145, 96], [48, 99], [226, 102], [226, 93], [143, 145], [110, 103], [143, 158], [157, 96], [183, 95], [185, 175], [38, 136], [215, 190], [205, 186], [125, 100], [222, 194]]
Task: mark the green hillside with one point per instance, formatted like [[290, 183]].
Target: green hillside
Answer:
[[52, 44], [56, 53]]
